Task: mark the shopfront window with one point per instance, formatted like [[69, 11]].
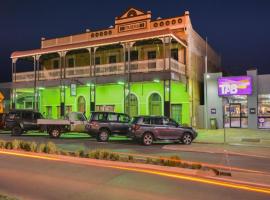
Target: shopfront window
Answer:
[[264, 111]]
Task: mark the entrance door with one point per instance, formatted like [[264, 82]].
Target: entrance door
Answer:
[[176, 112], [235, 115]]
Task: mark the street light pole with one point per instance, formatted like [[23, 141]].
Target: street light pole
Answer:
[[205, 79]]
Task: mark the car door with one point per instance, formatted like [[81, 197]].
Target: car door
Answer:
[[28, 120], [123, 120], [114, 124], [174, 130], [159, 128], [77, 122]]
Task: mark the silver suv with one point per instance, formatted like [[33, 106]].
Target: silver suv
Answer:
[[148, 129]]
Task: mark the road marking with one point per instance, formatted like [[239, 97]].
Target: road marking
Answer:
[[28, 155], [156, 172], [198, 179]]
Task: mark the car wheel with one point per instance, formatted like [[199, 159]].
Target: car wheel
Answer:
[[187, 138], [147, 139], [103, 135], [16, 131], [55, 133]]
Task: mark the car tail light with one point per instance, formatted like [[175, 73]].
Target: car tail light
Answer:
[[135, 127]]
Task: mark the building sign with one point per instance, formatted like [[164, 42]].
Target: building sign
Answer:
[[237, 85], [73, 89], [213, 111], [132, 26]]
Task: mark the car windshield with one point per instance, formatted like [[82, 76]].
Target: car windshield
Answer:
[[135, 120]]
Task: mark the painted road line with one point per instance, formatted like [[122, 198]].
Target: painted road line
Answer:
[[200, 180], [28, 155]]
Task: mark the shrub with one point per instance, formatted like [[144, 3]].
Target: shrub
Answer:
[[2, 144], [50, 148], [33, 146], [196, 166], [16, 144], [8, 145], [104, 154], [25, 146], [80, 153], [149, 161], [130, 158], [114, 156], [41, 148]]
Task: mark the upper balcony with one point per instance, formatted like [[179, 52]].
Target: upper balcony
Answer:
[[142, 66]]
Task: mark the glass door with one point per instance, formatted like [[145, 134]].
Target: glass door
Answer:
[[235, 115]]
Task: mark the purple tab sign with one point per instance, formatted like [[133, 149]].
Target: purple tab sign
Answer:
[[235, 85]]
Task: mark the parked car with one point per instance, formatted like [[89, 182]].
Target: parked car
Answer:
[[3, 120], [20, 121], [73, 122], [148, 129], [104, 124]]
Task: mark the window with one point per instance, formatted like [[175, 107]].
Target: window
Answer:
[[56, 64], [123, 118], [146, 120], [27, 115], [81, 104], [264, 111], [97, 60], [174, 54], [68, 109], [71, 62], [131, 105], [157, 121], [49, 112], [38, 116], [112, 59], [151, 55], [108, 108], [99, 116], [155, 104], [112, 117], [133, 55]]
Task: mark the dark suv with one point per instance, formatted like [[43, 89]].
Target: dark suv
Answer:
[[151, 128], [19, 121], [104, 124]]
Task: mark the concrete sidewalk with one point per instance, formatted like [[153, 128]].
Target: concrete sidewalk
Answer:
[[247, 137]]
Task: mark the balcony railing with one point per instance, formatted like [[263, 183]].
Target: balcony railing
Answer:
[[143, 66]]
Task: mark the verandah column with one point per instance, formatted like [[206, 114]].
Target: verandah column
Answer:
[[127, 46], [36, 78], [13, 92], [62, 56]]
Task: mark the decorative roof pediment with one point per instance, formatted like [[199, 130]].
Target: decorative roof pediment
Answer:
[[131, 12]]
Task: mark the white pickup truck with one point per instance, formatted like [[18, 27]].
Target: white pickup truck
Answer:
[[73, 122]]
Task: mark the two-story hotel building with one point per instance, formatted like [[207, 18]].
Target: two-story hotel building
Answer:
[[140, 66]]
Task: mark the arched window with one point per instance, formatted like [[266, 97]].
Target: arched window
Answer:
[[155, 104], [81, 105], [131, 105]]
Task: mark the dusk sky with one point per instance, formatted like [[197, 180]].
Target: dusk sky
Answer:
[[237, 29]]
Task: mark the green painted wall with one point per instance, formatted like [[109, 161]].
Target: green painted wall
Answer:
[[113, 94]]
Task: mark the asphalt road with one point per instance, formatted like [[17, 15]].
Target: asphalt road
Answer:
[[73, 142], [29, 178]]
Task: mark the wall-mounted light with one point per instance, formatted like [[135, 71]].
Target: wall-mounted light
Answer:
[[121, 83], [156, 80]]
